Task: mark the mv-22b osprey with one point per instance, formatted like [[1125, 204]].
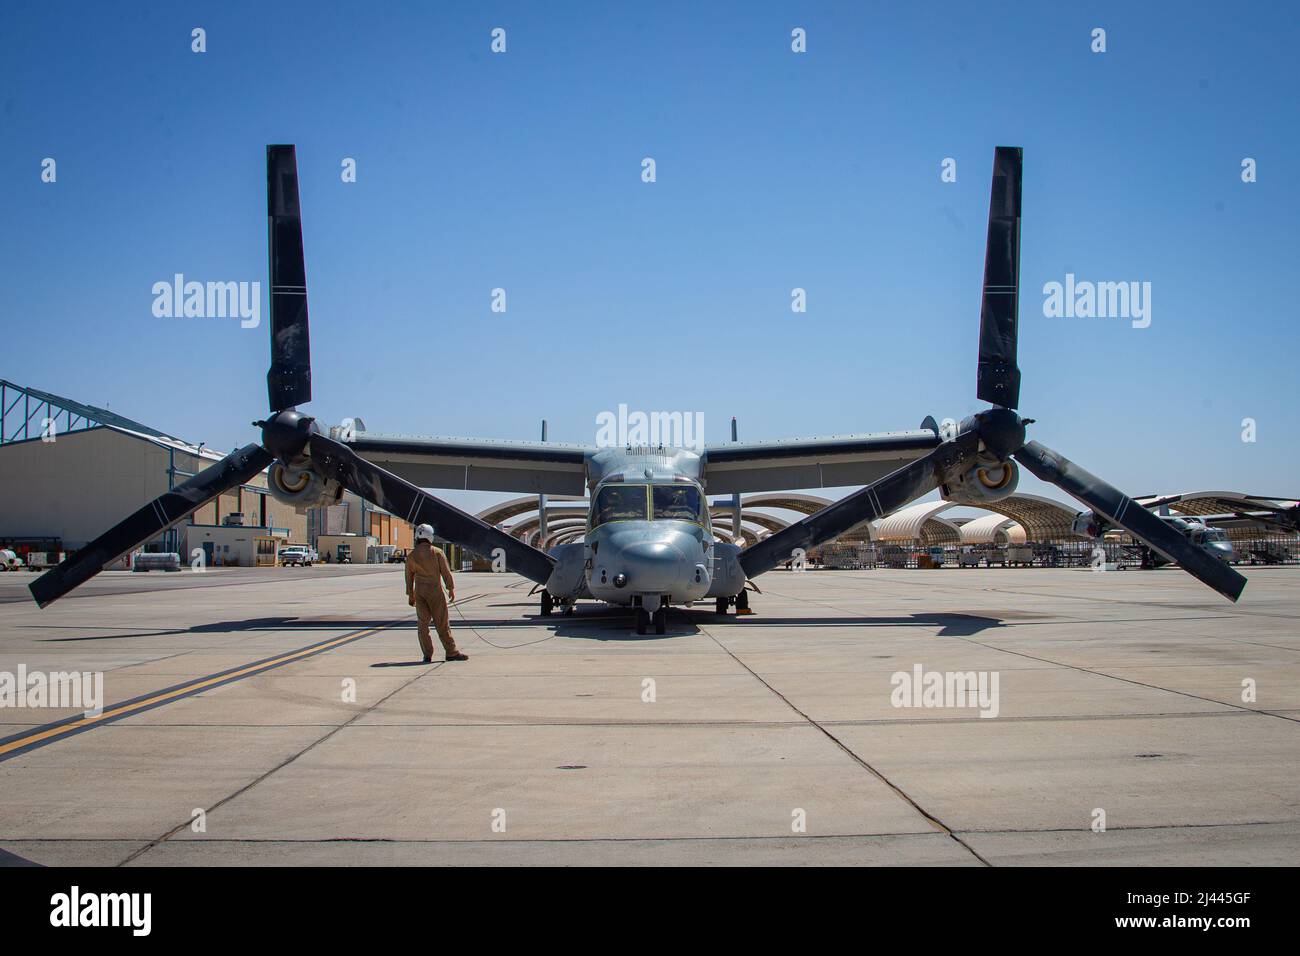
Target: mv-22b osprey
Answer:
[[648, 542]]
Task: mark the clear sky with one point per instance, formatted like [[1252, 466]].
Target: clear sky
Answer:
[[775, 170]]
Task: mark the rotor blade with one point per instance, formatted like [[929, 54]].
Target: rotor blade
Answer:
[[288, 382], [1122, 510], [405, 500], [998, 380], [876, 500], [150, 521]]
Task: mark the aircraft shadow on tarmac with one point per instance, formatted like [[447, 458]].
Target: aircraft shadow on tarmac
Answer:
[[251, 624], [594, 624], [605, 624], [8, 860]]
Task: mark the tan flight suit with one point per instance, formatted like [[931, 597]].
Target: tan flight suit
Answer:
[[426, 570]]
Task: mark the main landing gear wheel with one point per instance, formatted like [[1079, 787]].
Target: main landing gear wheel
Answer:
[[548, 603], [742, 603], [720, 606], [661, 620], [642, 620]]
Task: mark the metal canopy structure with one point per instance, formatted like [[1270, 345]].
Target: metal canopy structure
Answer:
[[1042, 518], [992, 529], [29, 413], [1037, 518], [1215, 502], [500, 513], [919, 523]]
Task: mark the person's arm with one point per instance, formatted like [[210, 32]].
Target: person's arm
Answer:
[[446, 577], [410, 578]]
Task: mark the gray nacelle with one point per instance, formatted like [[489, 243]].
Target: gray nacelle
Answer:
[[301, 488], [985, 482], [569, 579], [728, 576]]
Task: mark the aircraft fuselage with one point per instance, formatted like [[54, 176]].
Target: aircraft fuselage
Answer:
[[649, 540]]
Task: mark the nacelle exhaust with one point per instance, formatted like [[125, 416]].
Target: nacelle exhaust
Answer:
[[988, 480], [301, 487]]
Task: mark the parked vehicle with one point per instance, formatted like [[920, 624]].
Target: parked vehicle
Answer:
[[43, 560], [398, 556], [1020, 556], [145, 561], [9, 560], [298, 555]]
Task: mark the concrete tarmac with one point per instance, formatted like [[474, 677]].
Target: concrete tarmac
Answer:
[[282, 716]]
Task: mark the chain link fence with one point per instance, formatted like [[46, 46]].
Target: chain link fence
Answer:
[[1263, 550]]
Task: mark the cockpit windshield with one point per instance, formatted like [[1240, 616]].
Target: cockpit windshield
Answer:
[[620, 503], [678, 502]]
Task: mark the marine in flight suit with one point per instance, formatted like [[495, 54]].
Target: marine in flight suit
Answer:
[[426, 571]]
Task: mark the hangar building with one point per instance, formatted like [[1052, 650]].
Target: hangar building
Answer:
[[69, 471]]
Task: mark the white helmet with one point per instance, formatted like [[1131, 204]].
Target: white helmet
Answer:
[[424, 533]]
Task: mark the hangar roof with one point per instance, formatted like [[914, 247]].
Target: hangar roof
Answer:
[[1215, 502], [984, 530], [909, 523], [79, 415], [1041, 519]]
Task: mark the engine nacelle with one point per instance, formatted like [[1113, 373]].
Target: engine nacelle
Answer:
[[728, 575], [987, 481], [301, 487]]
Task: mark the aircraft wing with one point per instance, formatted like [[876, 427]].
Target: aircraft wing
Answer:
[[831, 462], [1286, 520], [472, 464]]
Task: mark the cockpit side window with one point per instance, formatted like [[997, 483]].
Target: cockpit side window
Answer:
[[678, 502], [620, 503]]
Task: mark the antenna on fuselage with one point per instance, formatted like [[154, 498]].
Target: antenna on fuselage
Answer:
[[541, 506], [735, 497]]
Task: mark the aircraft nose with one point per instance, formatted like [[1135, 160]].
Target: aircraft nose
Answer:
[[651, 565]]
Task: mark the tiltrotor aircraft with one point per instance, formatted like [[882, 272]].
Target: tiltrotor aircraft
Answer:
[[648, 543]]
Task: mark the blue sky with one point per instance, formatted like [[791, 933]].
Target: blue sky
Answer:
[[775, 171]]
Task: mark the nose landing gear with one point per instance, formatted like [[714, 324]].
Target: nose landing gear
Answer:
[[660, 618]]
